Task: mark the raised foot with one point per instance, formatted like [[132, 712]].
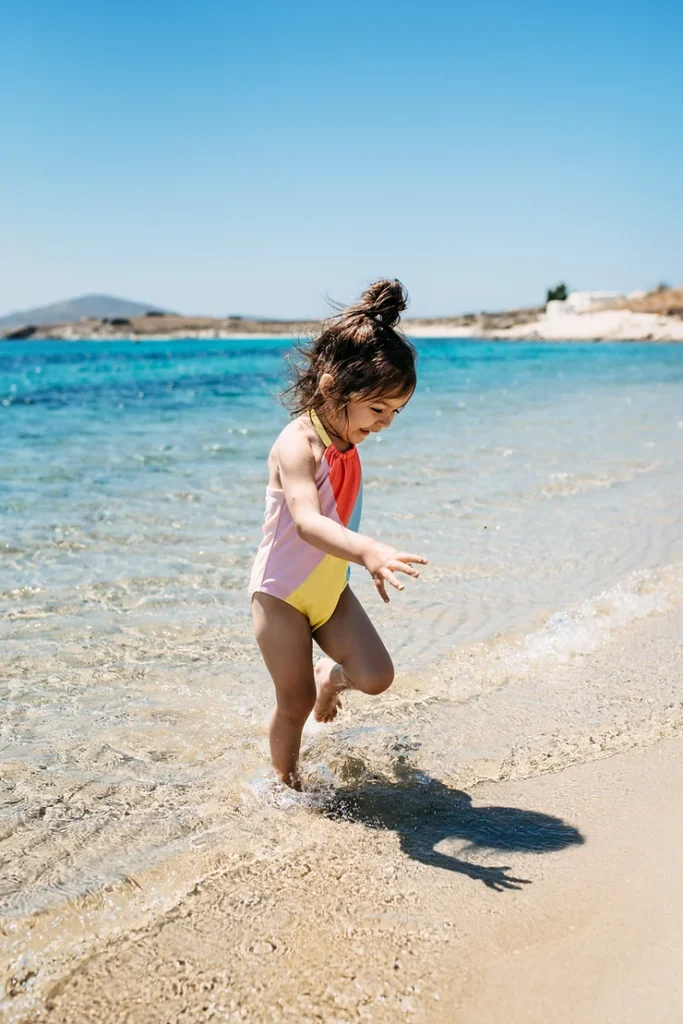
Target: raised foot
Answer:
[[328, 680]]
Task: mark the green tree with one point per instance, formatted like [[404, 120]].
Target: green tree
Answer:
[[559, 293]]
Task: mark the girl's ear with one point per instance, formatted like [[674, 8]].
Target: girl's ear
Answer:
[[325, 384]]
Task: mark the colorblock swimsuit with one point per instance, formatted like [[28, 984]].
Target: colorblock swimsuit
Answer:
[[286, 566]]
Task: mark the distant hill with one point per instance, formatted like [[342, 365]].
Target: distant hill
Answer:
[[73, 309]]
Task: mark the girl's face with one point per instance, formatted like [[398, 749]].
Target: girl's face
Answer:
[[365, 416]]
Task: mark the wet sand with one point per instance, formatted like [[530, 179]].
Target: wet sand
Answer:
[[551, 899], [591, 932]]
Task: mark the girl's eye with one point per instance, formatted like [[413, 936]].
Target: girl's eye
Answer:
[[378, 411]]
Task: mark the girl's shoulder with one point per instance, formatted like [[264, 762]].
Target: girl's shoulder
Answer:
[[298, 440], [300, 432]]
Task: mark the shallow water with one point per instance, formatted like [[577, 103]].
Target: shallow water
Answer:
[[542, 481]]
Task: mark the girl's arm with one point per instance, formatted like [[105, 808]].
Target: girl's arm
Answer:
[[297, 473]]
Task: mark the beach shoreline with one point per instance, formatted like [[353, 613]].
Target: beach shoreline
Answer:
[[507, 902], [591, 931]]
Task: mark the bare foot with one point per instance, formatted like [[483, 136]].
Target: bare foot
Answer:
[[292, 781], [329, 680]]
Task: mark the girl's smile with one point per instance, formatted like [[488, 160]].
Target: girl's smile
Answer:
[[363, 416]]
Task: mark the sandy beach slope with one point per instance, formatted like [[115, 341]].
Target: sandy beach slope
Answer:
[[552, 898]]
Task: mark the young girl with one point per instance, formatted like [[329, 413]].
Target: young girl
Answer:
[[353, 381]]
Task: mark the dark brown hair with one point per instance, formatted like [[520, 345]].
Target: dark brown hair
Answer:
[[362, 350]]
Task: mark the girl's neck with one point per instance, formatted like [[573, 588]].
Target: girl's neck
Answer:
[[339, 442]]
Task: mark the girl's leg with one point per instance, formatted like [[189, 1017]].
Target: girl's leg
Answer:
[[358, 660], [284, 636]]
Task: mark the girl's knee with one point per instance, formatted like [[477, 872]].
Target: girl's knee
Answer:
[[378, 680], [297, 709]]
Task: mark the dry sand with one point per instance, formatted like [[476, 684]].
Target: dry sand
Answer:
[[591, 931], [599, 935], [602, 325]]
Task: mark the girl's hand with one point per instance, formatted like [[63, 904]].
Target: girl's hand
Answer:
[[383, 561]]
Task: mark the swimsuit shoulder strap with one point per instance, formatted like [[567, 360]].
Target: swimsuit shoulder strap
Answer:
[[319, 428]]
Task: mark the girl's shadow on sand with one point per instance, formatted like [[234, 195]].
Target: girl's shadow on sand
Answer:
[[423, 812]]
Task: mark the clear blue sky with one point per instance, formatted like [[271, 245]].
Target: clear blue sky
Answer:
[[219, 157]]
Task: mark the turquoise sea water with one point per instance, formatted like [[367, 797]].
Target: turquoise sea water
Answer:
[[538, 479], [133, 475]]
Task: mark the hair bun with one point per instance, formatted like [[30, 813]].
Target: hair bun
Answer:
[[384, 301]]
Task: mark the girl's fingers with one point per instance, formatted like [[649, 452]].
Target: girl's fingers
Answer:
[[404, 556], [400, 563], [398, 566], [390, 578]]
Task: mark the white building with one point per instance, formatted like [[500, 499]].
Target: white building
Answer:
[[580, 302]]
